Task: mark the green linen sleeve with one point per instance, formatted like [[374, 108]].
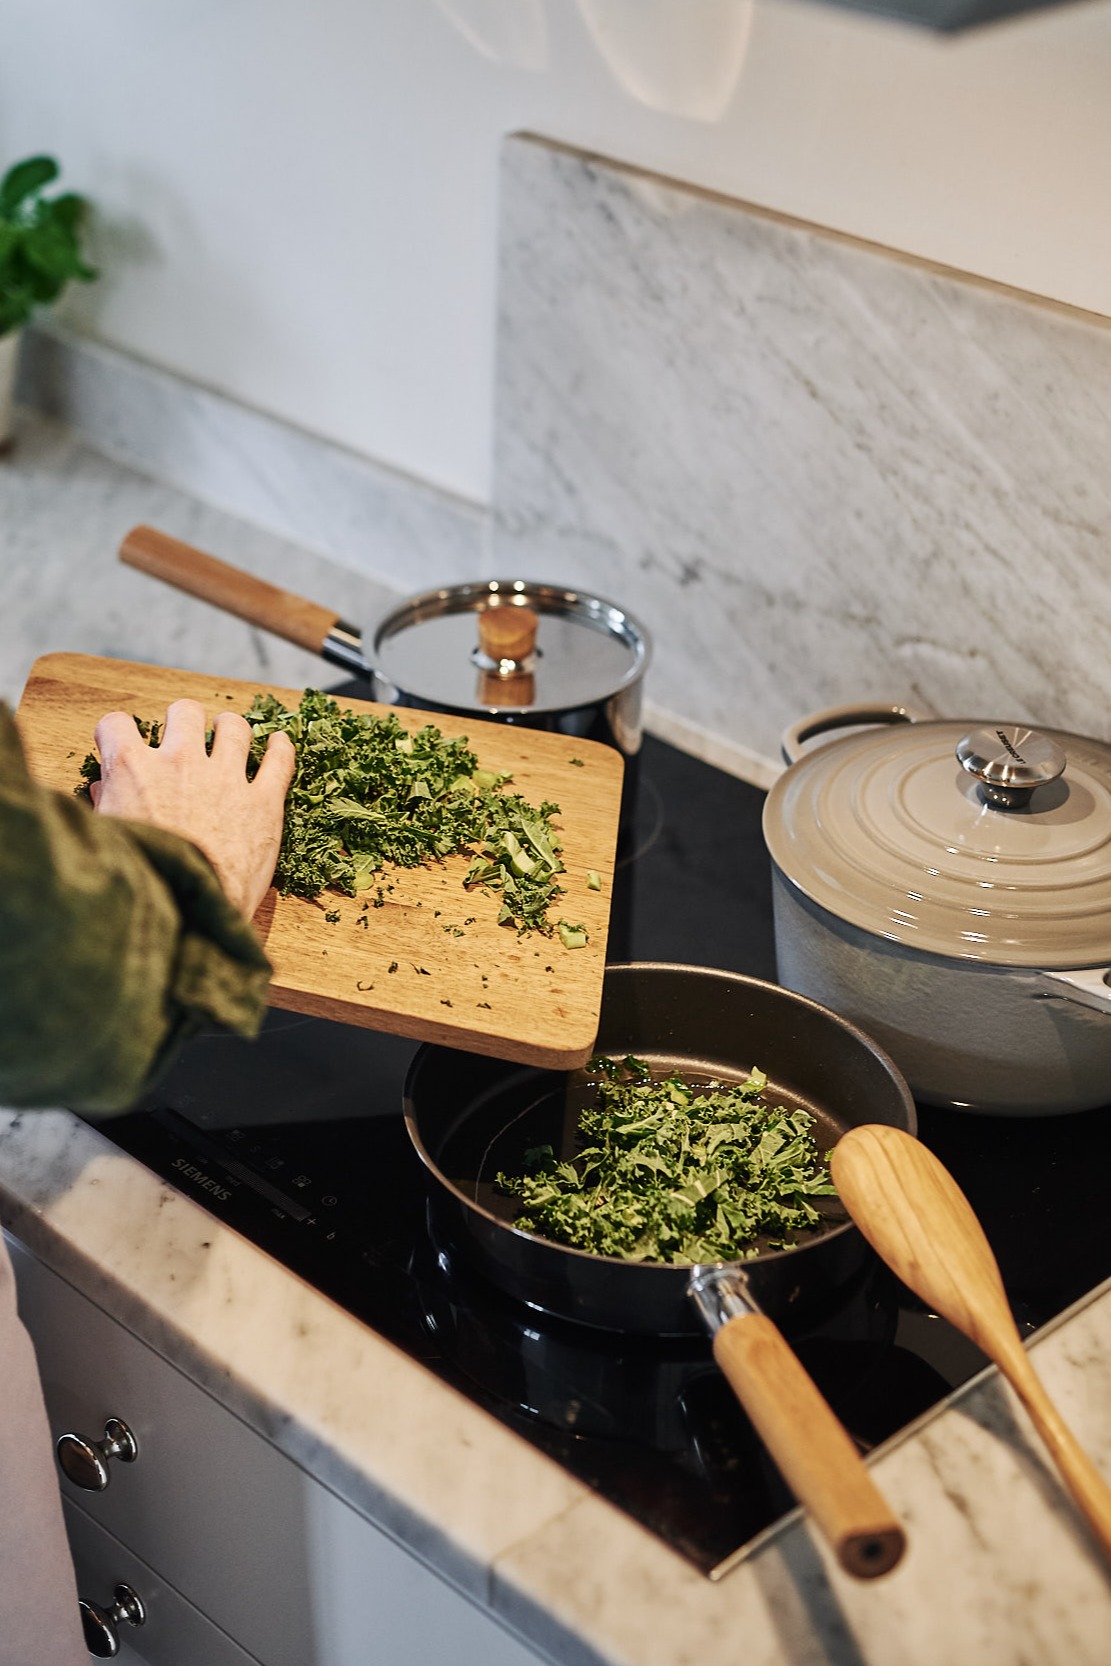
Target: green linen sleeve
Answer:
[[116, 944]]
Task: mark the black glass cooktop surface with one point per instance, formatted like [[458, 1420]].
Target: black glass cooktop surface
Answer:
[[298, 1142]]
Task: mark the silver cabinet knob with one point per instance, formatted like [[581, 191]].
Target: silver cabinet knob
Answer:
[[86, 1461], [1010, 763], [101, 1625]]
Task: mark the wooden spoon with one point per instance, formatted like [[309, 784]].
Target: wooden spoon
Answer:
[[918, 1220]]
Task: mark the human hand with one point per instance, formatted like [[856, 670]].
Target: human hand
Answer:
[[204, 797]]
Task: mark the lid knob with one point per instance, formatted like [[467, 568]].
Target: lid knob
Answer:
[[1010, 762], [507, 637]]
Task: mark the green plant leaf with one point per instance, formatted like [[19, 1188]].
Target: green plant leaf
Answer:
[[24, 179], [52, 253], [40, 240], [67, 211]]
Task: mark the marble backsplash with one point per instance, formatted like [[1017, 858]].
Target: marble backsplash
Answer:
[[817, 471]]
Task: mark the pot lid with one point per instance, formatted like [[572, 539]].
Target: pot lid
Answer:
[[988, 841], [501, 645]]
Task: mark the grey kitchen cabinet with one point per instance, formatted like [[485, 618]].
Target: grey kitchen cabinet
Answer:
[[228, 1533], [178, 1633]]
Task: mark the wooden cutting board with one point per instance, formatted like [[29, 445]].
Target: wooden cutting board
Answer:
[[431, 962]]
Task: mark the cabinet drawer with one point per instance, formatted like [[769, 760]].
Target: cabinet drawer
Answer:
[[207, 1503], [267, 1553], [173, 1633]]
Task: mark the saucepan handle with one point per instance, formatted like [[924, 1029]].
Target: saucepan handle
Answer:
[[855, 715], [287, 615], [812, 1449]]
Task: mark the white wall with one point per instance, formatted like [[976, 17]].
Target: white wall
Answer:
[[297, 199]]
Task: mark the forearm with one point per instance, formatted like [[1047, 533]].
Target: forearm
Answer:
[[116, 944]]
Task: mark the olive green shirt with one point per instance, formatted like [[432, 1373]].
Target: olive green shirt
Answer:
[[116, 944]]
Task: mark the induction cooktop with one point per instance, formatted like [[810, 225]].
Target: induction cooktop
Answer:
[[298, 1142]]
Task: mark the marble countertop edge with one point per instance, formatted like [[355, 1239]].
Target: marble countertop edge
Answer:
[[1000, 1566], [404, 1449]]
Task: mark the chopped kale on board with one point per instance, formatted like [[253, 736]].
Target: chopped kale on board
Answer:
[[676, 1171], [368, 793]]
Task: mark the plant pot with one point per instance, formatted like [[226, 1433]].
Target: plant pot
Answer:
[[9, 362]]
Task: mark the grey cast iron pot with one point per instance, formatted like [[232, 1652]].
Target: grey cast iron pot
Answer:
[[947, 887]]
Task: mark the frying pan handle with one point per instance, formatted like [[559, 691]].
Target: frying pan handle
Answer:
[[812, 1449], [278, 611]]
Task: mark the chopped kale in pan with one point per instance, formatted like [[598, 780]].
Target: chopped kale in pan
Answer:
[[675, 1171]]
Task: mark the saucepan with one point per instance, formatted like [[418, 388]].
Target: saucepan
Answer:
[[470, 1117], [512, 650], [946, 885]]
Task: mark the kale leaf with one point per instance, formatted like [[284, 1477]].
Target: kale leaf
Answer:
[[368, 794]]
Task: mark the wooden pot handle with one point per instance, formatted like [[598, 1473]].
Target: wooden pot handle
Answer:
[[278, 611], [813, 1451]]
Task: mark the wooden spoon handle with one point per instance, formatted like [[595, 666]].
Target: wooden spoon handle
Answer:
[[1087, 1486], [811, 1448], [918, 1220], [279, 611]]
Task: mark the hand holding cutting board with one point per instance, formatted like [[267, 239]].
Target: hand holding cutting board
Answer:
[[205, 797], [418, 954]]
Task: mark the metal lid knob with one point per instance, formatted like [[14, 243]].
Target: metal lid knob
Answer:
[[1010, 763]]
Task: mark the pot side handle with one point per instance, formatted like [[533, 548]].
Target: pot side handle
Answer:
[[851, 716], [1086, 987]]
